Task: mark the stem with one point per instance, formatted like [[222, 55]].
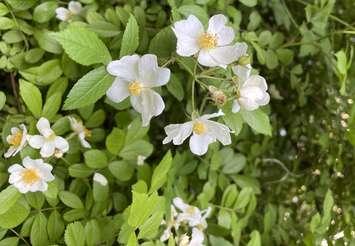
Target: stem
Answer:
[[20, 237], [171, 60], [193, 82], [14, 90]]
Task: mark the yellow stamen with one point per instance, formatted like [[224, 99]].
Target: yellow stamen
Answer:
[[30, 176], [16, 139], [191, 210], [199, 128], [87, 132], [51, 137], [207, 41], [135, 88]]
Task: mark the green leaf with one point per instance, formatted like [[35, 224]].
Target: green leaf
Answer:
[[150, 228], [8, 197], [21, 5], [32, 97], [130, 39], [95, 159], [115, 141], [83, 46], [133, 150], [88, 89], [160, 173], [255, 239], [52, 105], [234, 121], [47, 41], [249, 3], [6, 23], [45, 11], [75, 234], [35, 199], [257, 120], [271, 59], [44, 74], [80, 171], [15, 215], [10, 241], [163, 44], [3, 9], [70, 199], [55, 226], [39, 235], [195, 10], [243, 198], [2, 99], [92, 233], [175, 87], [122, 170]]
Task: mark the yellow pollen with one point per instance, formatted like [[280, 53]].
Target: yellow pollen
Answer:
[[51, 137], [199, 128], [87, 132], [16, 139], [30, 176], [190, 210], [135, 88], [207, 41]]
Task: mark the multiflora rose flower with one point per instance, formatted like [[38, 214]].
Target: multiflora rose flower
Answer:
[[213, 46], [17, 140], [64, 14], [251, 92], [135, 78], [203, 130], [78, 127], [49, 143], [33, 175]]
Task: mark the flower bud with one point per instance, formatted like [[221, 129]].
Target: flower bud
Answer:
[[244, 60], [218, 96]]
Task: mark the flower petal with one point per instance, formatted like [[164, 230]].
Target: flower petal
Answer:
[[199, 143], [216, 23], [150, 74], [47, 149], [62, 14], [125, 68], [205, 59], [149, 104], [191, 27], [197, 237], [248, 103], [187, 46], [74, 7], [225, 36], [236, 106], [36, 141], [210, 116], [44, 127], [11, 152], [224, 55], [243, 72], [61, 143], [14, 130], [257, 81], [178, 133], [118, 90], [219, 131], [180, 204], [15, 168], [83, 141]]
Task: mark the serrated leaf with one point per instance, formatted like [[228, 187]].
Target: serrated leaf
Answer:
[[75, 234], [115, 141], [70, 199], [88, 89], [160, 173], [8, 197], [130, 39], [15, 215], [52, 105], [39, 235], [55, 226], [32, 97], [257, 120], [163, 44], [83, 46]]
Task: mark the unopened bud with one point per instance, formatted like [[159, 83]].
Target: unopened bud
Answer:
[[244, 60]]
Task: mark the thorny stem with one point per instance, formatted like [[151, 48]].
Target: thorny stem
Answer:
[[20, 237]]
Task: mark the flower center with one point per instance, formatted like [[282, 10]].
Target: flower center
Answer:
[[87, 132], [30, 176], [135, 88], [51, 137], [207, 41], [16, 139], [199, 128]]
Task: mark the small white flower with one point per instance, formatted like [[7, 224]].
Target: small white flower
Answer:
[[324, 242], [135, 78], [140, 160], [339, 235], [74, 8], [101, 179], [172, 223], [191, 215], [212, 46], [252, 91], [197, 237], [183, 240], [32, 176], [49, 143], [82, 132], [203, 130], [283, 132], [17, 140]]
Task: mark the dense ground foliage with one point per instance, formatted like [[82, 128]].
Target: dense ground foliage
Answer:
[[93, 169]]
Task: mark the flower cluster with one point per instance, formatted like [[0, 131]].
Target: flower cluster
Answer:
[[64, 14], [34, 174], [188, 216]]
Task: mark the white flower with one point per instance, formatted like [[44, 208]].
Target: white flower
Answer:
[[191, 215], [135, 78], [74, 8], [82, 132], [17, 140], [197, 237], [140, 160], [32, 176], [212, 46], [252, 91], [49, 143], [101, 179], [172, 223], [203, 130]]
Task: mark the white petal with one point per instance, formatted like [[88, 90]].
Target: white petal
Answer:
[[219, 131], [22, 188], [199, 143], [177, 132], [27, 162], [125, 68], [149, 104], [187, 46], [248, 104], [74, 7], [264, 100], [61, 144], [15, 178], [216, 23], [62, 14], [44, 127], [257, 81], [15, 168], [40, 186], [14, 130], [241, 49], [197, 237], [191, 27], [101, 179], [224, 55], [205, 59], [243, 72], [118, 90], [236, 106], [180, 204], [83, 141], [150, 74], [225, 36], [210, 116], [36, 141], [47, 149], [12, 151]]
